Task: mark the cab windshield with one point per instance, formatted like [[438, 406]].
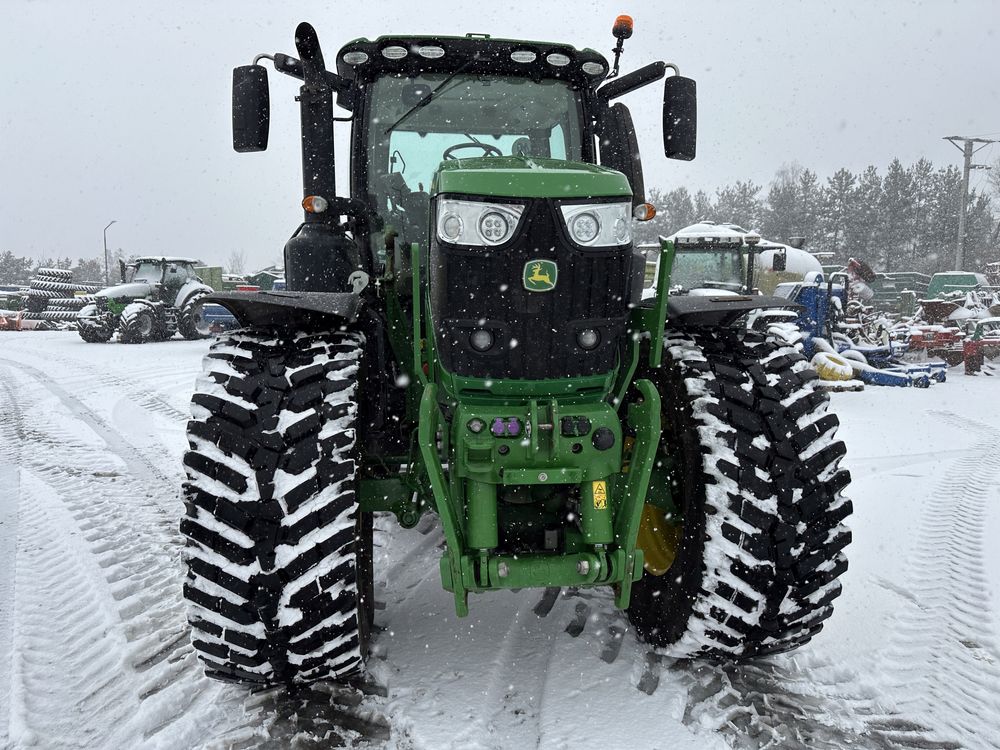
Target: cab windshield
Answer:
[[713, 269], [487, 115], [150, 273]]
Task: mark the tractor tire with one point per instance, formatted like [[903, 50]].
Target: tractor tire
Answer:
[[35, 304], [89, 329], [54, 274], [191, 320], [43, 294], [68, 316], [54, 286], [67, 303], [832, 367], [140, 323], [760, 548], [94, 334], [279, 558]]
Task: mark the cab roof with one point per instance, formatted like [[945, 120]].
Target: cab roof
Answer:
[[474, 53], [165, 259]]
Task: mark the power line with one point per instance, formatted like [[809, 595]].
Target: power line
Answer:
[[967, 148]]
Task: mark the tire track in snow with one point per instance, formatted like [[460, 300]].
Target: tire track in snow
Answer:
[[138, 464], [944, 654], [788, 701], [101, 638], [115, 615], [122, 381], [780, 703], [511, 713], [320, 716], [10, 481]]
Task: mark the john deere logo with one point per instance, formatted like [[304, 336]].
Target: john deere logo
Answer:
[[540, 275]]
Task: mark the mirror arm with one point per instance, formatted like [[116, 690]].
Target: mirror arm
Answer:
[[291, 67], [629, 82]]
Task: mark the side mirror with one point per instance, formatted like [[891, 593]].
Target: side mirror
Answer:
[[121, 269], [251, 108], [779, 261], [680, 118]]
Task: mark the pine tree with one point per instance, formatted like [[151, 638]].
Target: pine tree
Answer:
[[836, 207], [896, 227], [14, 269], [922, 174], [739, 204], [907, 220], [703, 208], [865, 223], [943, 223], [810, 196]]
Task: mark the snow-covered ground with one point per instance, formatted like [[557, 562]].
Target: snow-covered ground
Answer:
[[94, 650]]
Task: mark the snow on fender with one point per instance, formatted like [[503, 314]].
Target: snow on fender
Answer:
[[832, 366]]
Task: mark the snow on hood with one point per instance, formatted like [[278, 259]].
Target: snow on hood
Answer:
[[134, 289]]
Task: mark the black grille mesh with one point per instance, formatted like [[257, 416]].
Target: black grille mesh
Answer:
[[535, 332]]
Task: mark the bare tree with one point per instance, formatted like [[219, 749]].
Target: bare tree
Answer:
[[237, 261]]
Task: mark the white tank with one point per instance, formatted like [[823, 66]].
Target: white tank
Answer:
[[798, 263]]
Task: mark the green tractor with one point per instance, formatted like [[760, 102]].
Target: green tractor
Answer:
[[467, 335], [157, 297]]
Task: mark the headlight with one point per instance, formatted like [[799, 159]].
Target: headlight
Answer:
[[585, 227], [474, 223], [598, 224]]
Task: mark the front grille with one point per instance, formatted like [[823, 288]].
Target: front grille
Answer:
[[535, 332]]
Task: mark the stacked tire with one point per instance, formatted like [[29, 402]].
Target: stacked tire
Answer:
[[52, 295]]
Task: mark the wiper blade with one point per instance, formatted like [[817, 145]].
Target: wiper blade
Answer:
[[431, 94]]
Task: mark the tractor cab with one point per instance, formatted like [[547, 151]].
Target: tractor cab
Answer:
[[148, 272], [428, 102], [503, 162], [434, 115], [168, 271], [710, 259]]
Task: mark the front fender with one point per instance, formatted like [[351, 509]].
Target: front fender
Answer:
[[283, 308], [187, 292]]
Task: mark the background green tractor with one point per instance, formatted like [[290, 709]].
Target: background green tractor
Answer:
[[157, 297], [467, 336]]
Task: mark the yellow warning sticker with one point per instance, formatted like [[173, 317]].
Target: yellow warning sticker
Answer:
[[600, 494]]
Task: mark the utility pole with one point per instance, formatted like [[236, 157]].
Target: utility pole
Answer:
[[107, 278], [967, 150]]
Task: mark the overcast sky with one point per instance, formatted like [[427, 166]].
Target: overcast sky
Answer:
[[120, 110]]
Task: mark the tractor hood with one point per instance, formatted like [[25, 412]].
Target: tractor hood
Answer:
[[134, 290], [528, 177]]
